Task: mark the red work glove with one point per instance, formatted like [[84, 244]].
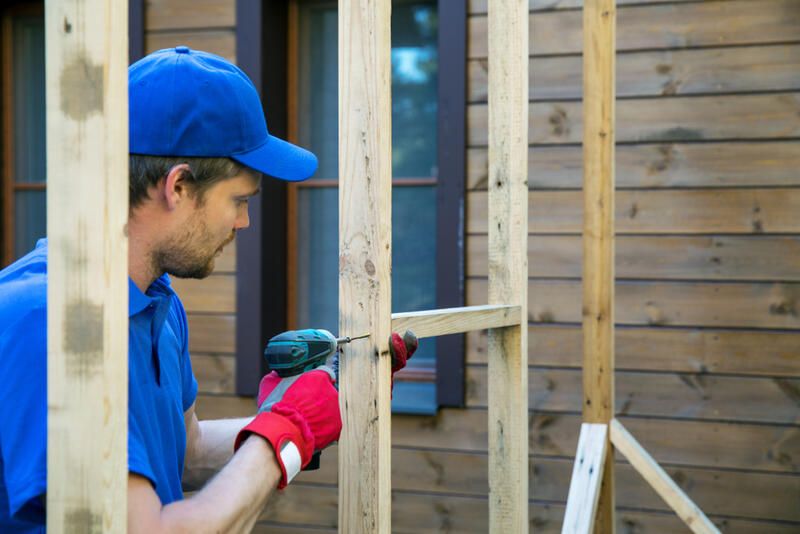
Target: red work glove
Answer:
[[402, 348], [297, 415]]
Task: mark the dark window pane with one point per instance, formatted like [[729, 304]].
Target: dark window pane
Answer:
[[29, 100], [30, 222]]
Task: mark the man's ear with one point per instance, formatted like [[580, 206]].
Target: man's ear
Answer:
[[176, 185]]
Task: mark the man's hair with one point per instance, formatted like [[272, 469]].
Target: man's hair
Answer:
[[147, 171]]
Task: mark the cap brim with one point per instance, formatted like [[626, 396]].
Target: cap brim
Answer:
[[280, 159]]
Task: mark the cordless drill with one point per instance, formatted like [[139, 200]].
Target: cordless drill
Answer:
[[294, 352]]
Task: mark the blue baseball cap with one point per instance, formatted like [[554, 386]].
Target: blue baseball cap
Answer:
[[188, 103]]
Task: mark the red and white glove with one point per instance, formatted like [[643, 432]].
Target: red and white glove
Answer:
[[402, 348], [297, 415]]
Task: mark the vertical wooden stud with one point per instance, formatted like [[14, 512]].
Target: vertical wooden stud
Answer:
[[599, 33], [365, 159], [87, 210], [508, 265]]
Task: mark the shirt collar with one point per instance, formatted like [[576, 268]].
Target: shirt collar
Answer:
[[138, 301]]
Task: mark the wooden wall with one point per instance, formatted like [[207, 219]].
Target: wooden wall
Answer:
[[708, 261]]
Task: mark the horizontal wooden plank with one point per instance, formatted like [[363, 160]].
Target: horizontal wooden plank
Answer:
[[431, 323], [215, 294], [664, 349], [220, 42], [758, 258], [660, 26], [268, 527], [426, 512], [695, 118], [212, 333], [214, 373], [226, 262], [224, 406], [478, 7], [742, 494], [680, 396], [763, 163], [714, 304], [702, 443], [662, 211], [189, 14], [660, 73]]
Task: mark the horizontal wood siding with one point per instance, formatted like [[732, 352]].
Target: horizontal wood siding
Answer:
[[708, 267]]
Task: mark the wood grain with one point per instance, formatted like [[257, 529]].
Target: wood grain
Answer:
[[661, 73], [212, 333], [662, 257], [189, 14], [692, 304], [86, 50], [215, 373], [665, 211], [215, 294], [696, 396], [431, 323], [686, 509], [757, 353], [663, 25], [762, 164], [508, 230], [478, 7], [365, 241], [220, 42], [674, 119]]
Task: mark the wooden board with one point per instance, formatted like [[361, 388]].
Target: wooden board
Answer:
[[478, 7], [432, 323], [694, 396], [696, 118], [762, 164], [220, 42], [365, 247], [87, 292], [663, 25], [759, 353], [214, 373], [212, 333], [587, 475], [659, 480], [215, 294], [718, 304], [757, 258], [508, 230], [189, 14], [664, 211], [661, 73], [433, 513]]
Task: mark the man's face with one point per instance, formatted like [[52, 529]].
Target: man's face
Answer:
[[210, 225]]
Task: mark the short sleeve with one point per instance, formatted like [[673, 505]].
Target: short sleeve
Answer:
[[23, 411], [138, 461]]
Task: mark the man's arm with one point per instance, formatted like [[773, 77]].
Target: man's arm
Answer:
[[209, 446], [231, 502]]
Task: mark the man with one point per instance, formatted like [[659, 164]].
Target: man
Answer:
[[198, 140]]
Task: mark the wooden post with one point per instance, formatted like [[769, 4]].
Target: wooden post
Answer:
[[587, 474], [365, 215], [599, 30], [508, 265], [87, 292]]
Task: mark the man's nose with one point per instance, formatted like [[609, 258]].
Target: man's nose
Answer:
[[243, 220]]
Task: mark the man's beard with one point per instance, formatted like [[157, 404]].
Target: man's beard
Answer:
[[190, 254]]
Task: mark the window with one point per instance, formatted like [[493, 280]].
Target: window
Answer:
[[313, 205], [274, 44], [24, 161]]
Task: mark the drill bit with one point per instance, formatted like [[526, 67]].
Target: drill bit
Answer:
[[347, 339]]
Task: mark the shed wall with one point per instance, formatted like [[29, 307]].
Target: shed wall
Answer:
[[708, 265]]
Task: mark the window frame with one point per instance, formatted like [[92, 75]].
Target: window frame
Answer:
[[263, 309], [7, 183]]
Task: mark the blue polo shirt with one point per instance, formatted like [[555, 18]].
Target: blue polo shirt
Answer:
[[161, 388]]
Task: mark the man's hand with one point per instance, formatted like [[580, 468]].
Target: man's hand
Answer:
[[297, 415], [402, 348]]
